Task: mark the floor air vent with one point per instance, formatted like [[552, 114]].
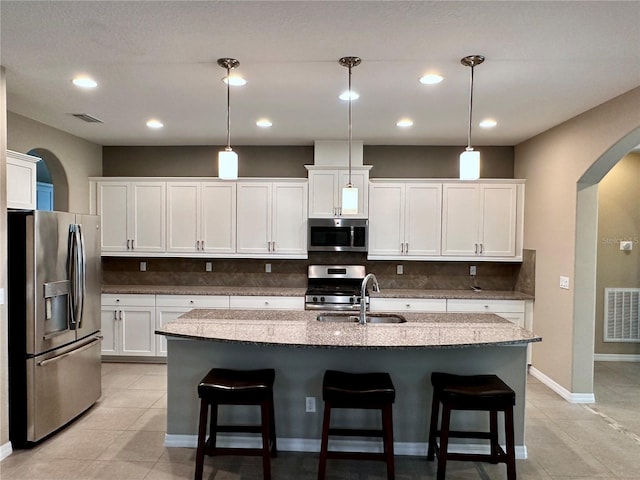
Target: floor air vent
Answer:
[[622, 314]]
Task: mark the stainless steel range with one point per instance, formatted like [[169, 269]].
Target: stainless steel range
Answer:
[[334, 287]]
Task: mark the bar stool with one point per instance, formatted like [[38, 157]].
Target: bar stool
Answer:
[[473, 392], [236, 387], [373, 391]]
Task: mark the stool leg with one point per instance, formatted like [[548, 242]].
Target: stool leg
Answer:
[[272, 429], [265, 411], [202, 432], [511, 448], [213, 430], [387, 427], [493, 432], [324, 443], [444, 442], [433, 426]]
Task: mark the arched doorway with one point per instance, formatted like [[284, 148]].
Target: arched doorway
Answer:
[[586, 255], [53, 173]]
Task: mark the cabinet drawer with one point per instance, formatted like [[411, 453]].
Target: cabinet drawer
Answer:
[[408, 305], [491, 306], [129, 300], [260, 302], [193, 301]]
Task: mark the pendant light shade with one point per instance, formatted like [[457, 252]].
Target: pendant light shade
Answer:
[[470, 159], [227, 158], [349, 205]]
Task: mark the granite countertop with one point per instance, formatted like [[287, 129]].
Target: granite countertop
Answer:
[[299, 292], [301, 329], [203, 290]]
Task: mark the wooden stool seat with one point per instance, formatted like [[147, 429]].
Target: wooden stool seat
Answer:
[[236, 387], [372, 391], [471, 392]]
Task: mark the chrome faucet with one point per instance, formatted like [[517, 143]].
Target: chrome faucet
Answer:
[[363, 299]]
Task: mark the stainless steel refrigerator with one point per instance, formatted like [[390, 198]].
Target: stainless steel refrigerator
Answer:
[[54, 321]]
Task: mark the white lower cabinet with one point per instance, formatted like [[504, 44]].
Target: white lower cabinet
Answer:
[[170, 307], [128, 325], [512, 310], [258, 302], [408, 304]]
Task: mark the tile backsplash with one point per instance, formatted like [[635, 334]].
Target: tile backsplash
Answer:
[[293, 273]]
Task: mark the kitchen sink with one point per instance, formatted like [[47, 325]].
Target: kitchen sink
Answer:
[[371, 318]]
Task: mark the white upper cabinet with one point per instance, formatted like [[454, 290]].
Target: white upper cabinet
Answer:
[[325, 191], [21, 181], [272, 219], [133, 216], [404, 219], [201, 218], [480, 220]]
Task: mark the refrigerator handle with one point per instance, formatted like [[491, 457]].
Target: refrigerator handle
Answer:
[[71, 274], [82, 274]]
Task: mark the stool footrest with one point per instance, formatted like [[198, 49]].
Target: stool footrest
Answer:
[[332, 454], [254, 452], [500, 457], [356, 432], [239, 428], [458, 434]]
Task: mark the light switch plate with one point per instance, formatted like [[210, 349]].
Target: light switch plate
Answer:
[[1, 296], [564, 282]]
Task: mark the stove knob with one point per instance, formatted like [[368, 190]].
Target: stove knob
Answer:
[[315, 299], [322, 299], [352, 299]]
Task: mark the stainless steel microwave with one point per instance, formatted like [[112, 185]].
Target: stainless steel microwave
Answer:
[[338, 234]]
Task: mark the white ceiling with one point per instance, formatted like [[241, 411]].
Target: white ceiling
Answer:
[[546, 62]]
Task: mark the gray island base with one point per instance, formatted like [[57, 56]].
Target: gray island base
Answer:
[[300, 349]]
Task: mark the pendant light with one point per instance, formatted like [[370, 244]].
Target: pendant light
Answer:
[[470, 159], [227, 158], [350, 193]]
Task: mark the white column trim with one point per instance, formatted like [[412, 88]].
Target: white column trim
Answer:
[[560, 390]]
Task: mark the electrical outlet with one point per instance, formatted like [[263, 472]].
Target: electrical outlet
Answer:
[[472, 270], [1, 296], [143, 266], [267, 267], [399, 269], [310, 404], [564, 282], [208, 267], [626, 245]]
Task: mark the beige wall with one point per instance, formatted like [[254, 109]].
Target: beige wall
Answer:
[[4, 376], [289, 161], [553, 164], [618, 219], [79, 158]]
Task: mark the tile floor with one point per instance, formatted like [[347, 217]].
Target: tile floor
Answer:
[[121, 438]]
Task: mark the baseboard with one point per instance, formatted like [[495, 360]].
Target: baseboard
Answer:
[[615, 357], [313, 445], [560, 390], [5, 450]]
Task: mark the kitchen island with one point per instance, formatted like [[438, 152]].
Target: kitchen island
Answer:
[[300, 348]]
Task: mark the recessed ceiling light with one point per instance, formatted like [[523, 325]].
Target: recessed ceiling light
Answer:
[[155, 124], [431, 79], [264, 123], [404, 123], [235, 81], [346, 94], [488, 123], [84, 82]]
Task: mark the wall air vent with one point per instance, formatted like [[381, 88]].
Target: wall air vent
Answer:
[[87, 118], [622, 314]]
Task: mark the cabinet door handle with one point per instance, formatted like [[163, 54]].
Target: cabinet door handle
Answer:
[[132, 244], [115, 315], [197, 244], [273, 246], [481, 248], [122, 315], [476, 248], [202, 245], [402, 247], [406, 248], [128, 244], [408, 305]]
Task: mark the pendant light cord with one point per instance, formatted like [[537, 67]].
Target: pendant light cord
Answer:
[[228, 109], [350, 129], [470, 109]]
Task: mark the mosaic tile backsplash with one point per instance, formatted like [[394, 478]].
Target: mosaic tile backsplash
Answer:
[[293, 273]]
